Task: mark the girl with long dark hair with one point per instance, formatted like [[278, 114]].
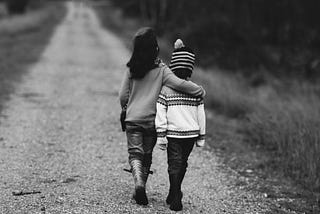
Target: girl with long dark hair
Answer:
[[139, 92]]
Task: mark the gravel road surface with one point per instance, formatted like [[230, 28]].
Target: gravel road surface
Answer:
[[61, 148]]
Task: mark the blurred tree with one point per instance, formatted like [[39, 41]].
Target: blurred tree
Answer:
[[243, 33], [36, 4], [17, 6]]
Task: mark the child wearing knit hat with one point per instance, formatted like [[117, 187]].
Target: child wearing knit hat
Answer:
[[180, 123], [182, 60]]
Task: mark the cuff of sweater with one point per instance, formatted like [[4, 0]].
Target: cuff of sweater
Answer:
[[162, 141], [161, 134], [202, 137]]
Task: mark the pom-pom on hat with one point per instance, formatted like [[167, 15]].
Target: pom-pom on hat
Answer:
[[182, 57]]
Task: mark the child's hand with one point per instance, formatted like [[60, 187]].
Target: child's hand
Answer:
[[162, 143], [200, 143], [162, 147]]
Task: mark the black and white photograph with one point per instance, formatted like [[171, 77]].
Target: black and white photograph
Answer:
[[159, 106]]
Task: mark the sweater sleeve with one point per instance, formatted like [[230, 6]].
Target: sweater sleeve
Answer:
[[202, 121], [124, 92], [161, 116], [172, 81]]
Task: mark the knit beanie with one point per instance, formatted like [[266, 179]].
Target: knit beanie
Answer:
[[182, 57]]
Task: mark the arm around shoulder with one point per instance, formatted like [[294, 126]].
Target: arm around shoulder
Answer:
[[172, 81]]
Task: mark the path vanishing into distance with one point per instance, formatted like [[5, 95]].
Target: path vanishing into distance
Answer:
[[61, 147]]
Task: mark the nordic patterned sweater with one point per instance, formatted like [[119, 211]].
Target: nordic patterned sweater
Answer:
[[180, 115]]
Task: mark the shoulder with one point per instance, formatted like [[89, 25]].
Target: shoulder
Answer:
[[177, 95], [163, 67], [165, 91], [200, 101]]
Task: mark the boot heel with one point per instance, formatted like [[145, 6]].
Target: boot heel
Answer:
[[176, 194], [141, 196], [138, 177], [176, 204]]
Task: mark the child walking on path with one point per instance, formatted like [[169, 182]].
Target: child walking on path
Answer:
[[139, 92], [180, 123]]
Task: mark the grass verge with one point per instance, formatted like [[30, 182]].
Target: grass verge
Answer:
[[284, 121], [22, 41]]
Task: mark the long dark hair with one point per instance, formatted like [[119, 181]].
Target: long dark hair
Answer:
[[145, 52]]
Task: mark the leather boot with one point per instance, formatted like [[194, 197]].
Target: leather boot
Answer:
[[146, 172], [181, 176], [170, 194], [146, 165], [176, 204], [138, 177]]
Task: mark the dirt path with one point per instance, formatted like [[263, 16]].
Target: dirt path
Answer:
[[60, 136]]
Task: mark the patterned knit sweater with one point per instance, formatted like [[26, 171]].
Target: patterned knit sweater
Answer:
[[179, 115]]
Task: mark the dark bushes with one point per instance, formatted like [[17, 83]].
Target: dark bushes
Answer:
[[17, 6], [235, 34]]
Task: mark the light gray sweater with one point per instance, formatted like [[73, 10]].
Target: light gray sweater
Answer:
[[140, 95]]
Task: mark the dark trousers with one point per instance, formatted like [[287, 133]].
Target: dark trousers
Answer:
[[141, 139], [178, 151]]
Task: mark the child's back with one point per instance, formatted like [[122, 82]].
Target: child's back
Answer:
[[179, 115]]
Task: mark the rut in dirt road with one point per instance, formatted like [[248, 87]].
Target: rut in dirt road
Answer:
[[61, 140]]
